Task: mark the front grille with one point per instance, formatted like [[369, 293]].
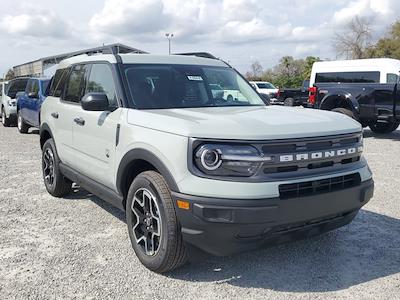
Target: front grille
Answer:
[[309, 188], [308, 146]]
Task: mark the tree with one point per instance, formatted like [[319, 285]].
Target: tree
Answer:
[[10, 74], [256, 71], [353, 42], [388, 46], [310, 60]]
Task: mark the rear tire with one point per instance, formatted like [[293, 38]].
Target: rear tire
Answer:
[[4, 120], [345, 111], [288, 102], [56, 184], [153, 227], [382, 128], [22, 126]]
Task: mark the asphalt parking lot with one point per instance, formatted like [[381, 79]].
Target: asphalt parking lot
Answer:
[[78, 247]]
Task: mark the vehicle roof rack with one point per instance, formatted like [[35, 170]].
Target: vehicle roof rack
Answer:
[[198, 54]]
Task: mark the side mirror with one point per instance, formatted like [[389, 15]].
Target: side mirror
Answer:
[[95, 102], [33, 95]]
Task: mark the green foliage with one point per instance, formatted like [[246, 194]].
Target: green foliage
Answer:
[[388, 46], [289, 72]]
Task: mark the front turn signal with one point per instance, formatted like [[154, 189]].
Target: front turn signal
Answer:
[[183, 204]]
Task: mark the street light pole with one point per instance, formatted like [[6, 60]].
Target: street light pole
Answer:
[[169, 36]]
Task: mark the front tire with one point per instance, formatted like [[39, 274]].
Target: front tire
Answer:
[[382, 128], [56, 184], [4, 120], [22, 126], [152, 224], [288, 102]]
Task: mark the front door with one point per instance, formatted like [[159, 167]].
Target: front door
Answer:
[[94, 132]]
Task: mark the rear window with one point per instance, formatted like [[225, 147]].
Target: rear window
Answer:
[[348, 77], [265, 85]]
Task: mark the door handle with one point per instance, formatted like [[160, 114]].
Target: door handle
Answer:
[[79, 121], [54, 115]]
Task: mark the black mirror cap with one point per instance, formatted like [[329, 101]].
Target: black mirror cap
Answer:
[[95, 102], [33, 95]]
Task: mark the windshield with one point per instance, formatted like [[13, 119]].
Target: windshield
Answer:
[[265, 85], [184, 86]]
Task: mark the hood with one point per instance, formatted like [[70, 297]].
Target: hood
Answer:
[[248, 123]]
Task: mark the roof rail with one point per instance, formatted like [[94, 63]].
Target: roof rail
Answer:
[[198, 54]]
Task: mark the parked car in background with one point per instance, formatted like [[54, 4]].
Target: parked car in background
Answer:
[[266, 88], [294, 96], [193, 169], [30, 103], [8, 103]]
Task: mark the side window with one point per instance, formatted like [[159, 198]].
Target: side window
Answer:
[[1, 89], [56, 87], [101, 81], [29, 86], [392, 78], [35, 87], [75, 84]]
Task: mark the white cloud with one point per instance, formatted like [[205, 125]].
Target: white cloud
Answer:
[[236, 30], [124, 16], [45, 24]]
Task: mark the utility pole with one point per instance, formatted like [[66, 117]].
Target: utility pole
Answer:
[[169, 36]]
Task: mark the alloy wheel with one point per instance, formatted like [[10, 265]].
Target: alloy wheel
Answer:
[[48, 166], [147, 221]]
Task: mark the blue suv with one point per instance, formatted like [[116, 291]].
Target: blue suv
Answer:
[[30, 103]]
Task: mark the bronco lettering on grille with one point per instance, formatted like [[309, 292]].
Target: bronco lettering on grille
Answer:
[[319, 154]]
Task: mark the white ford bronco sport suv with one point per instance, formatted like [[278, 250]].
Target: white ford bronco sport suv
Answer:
[[192, 169]]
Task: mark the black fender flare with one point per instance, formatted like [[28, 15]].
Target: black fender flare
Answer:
[[42, 130], [348, 97], [146, 155]]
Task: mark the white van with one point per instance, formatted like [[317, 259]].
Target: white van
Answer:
[[375, 70]]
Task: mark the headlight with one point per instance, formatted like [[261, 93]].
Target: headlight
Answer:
[[11, 102], [228, 160]]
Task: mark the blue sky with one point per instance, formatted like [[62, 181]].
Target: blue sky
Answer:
[[239, 31]]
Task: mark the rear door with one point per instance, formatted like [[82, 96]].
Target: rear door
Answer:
[[65, 111], [94, 138]]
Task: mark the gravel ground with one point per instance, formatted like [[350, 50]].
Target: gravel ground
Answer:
[[78, 247]]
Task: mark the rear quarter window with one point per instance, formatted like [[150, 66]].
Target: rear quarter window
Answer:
[[348, 77]]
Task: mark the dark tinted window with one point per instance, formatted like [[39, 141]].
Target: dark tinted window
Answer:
[[1, 89], [348, 77], [392, 78], [179, 86], [75, 84], [58, 82], [16, 86], [265, 85], [101, 81], [33, 86]]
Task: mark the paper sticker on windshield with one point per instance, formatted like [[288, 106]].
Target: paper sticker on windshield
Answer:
[[195, 78]]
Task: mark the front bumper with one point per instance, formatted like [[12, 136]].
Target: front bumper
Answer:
[[11, 112], [224, 227]]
